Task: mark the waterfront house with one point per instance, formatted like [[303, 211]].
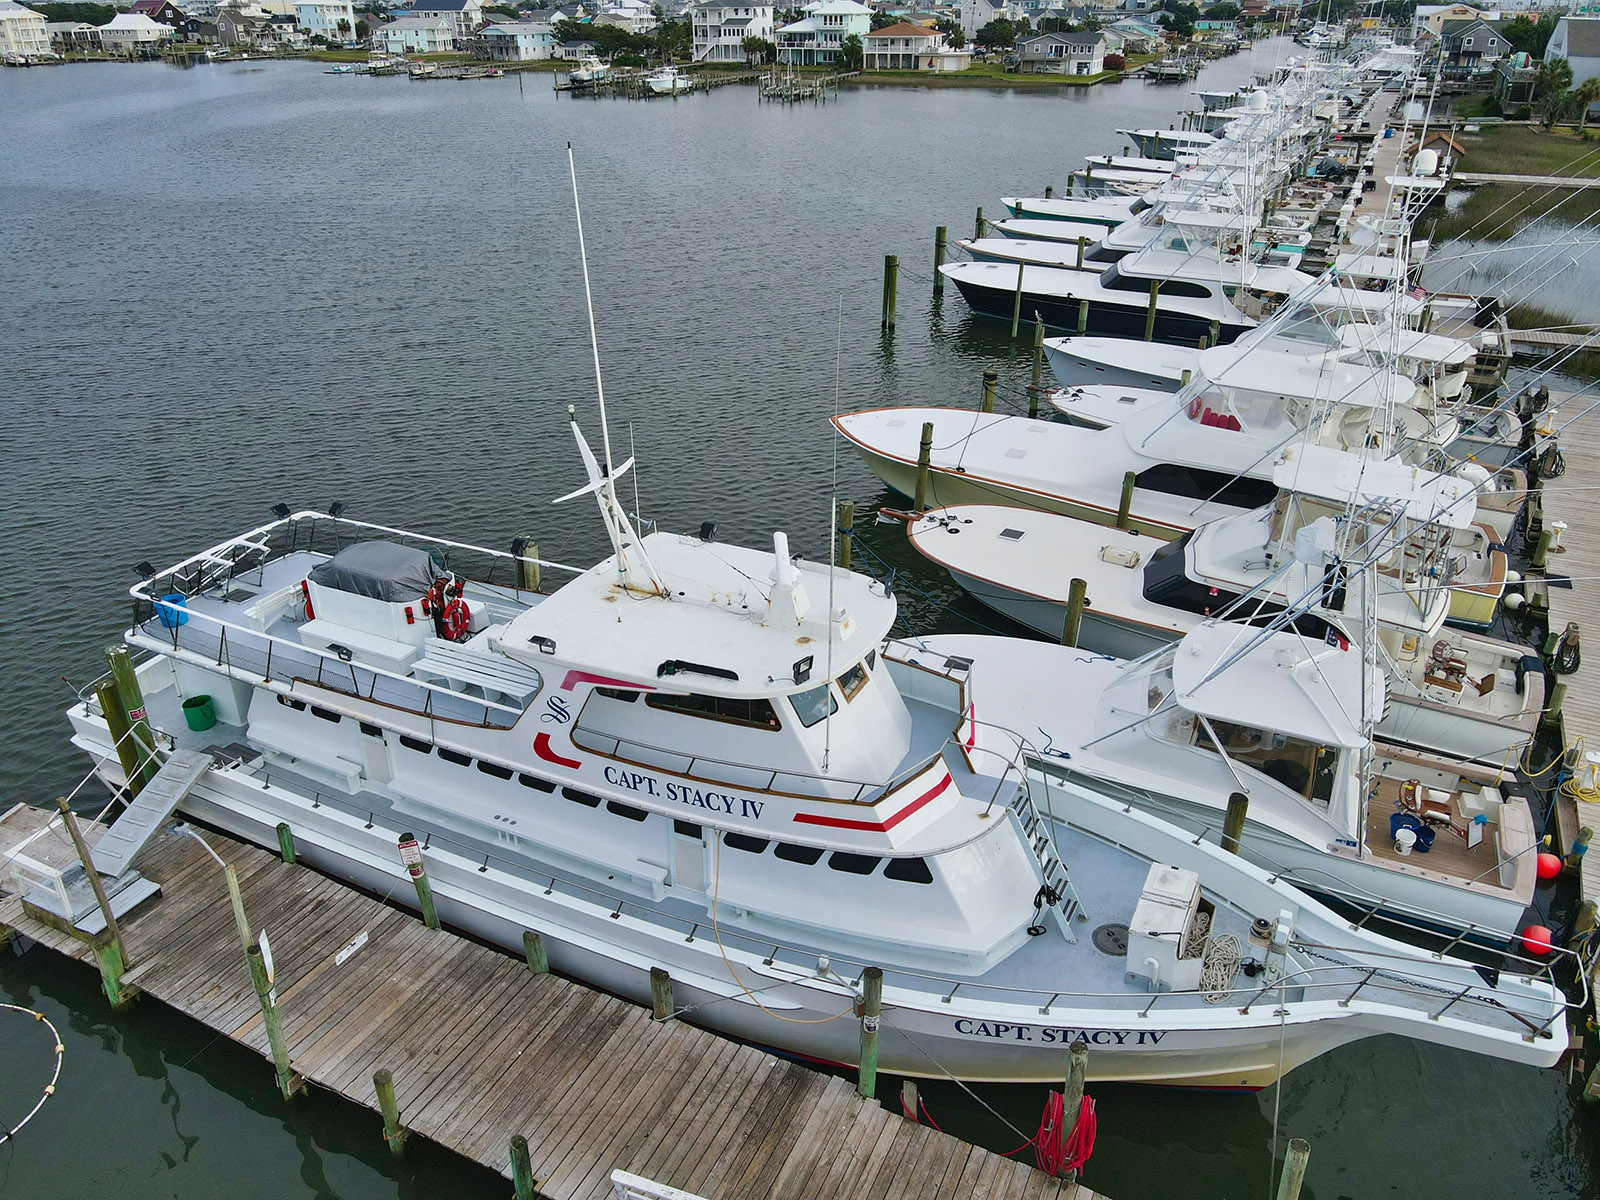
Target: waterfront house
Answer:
[[907, 47], [164, 11], [1062, 54], [1138, 36], [130, 33], [69, 37], [720, 29], [975, 14], [633, 15], [236, 28], [463, 16], [815, 40], [334, 20], [515, 41], [1428, 19], [415, 35], [575, 51], [23, 33], [1577, 39], [1470, 46], [1515, 77]]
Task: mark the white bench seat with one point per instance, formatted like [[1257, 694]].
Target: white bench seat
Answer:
[[493, 674], [368, 649]]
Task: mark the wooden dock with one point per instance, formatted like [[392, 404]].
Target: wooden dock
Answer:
[[1551, 339], [482, 1048]]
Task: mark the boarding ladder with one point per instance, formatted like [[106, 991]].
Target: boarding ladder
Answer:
[[1036, 831], [115, 851]]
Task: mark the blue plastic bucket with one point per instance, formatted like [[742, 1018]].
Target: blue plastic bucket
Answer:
[[173, 609]]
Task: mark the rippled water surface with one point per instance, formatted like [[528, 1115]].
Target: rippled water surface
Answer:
[[234, 285]]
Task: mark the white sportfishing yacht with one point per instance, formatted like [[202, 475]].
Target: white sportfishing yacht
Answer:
[[668, 81], [1278, 718], [590, 70], [708, 759], [1452, 692]]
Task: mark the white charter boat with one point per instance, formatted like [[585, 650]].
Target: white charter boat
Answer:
[[668, 81], [590, 70]]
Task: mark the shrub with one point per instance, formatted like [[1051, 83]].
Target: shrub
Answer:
[[1115, 62]]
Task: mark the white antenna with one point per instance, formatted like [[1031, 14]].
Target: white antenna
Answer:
[[603, 483]]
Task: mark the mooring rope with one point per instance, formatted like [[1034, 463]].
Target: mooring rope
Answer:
[[49, 1088]]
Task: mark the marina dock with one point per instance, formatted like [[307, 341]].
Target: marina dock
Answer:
[[483, 1048]]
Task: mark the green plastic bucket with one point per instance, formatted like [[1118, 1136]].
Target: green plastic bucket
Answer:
[[200, 713]]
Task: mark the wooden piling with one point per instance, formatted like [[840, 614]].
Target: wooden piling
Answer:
[[393, 1132], [113, 933], [891, 285], [236, 903], [924, 459], [978, 228], [847, 526], [105, 693], [526, 552], [288, 1081], [411, 857], [533, 950], [1556, 697], [940, 236], [910, 1101], [1215, 332], [1073, 626], [1541, 550], [1072, 1093], [871, 1011], [1187, 375], [1233, 821], [108, 957], [1580, 847], [285, 843], [1125, 501], [523, 1186], [990, 379], [661, 1005], [1016, 303], [132, 696], [1294, 1169], [1150, 311], [1049, 191], [1083, 243], [1083, 315], [1038, 367]]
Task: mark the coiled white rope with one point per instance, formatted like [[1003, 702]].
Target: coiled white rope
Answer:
[[49, 1088], [1223, 956]]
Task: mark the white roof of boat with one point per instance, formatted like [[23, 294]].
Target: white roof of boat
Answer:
[[1314, 377], [1285, 683], [714, 619], [1364, 300], [1398, 341], [1349, 478], [1370, 266]]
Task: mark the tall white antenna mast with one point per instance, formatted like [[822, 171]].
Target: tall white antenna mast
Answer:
[[594, 340]]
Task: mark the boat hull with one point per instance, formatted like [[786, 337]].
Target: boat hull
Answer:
[[1100, 318]]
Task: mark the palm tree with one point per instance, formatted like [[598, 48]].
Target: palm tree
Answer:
[[1555, 77], [1585, 94]]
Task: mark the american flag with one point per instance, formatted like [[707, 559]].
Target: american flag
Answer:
[[1417, 293]]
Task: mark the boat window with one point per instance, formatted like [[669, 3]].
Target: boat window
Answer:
[[495, 769], [297, 705], [372, 730], [686, 829], [852, 681], [853, 864], [1196, 483], [327, 714], [908, 870], [623, 694], [453, 756], [626, 810], [533, 781], [1301, 766], [805, 855], [417, 744], [583, 798], [743, 841], [813, 704], [757, 714]]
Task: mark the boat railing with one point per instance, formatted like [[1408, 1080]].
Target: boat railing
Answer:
[[242, 657]]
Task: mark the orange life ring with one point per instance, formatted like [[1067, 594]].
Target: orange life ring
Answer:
[[305, 590], [455, 619], [1194, 407]]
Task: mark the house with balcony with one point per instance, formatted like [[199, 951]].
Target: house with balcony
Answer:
[[464, 17], [130, 33], [908, 47], [416, 35], [324, 18], [720, 29], [24, 34], [67, 37], [816, 39], [1062, 54], [515, 41], [1471, 46]]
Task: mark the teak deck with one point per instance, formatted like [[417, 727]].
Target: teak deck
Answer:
[[481, 1048]]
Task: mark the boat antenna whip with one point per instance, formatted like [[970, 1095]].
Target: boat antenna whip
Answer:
[[603, 482]]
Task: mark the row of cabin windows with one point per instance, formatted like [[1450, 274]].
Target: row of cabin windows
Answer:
[[810, 706], [906, 870]]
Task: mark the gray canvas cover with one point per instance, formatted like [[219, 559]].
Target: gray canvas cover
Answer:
[[381, 570]]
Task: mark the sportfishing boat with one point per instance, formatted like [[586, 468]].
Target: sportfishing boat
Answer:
[[1167, 143], [668, 81], [1105, 211], [1450, 692], [1274, 717], [590, 70]]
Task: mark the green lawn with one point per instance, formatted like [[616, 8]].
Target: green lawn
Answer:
[[1529, 150]]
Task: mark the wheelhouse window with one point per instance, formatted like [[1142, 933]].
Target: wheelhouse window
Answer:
[[756, 714], [852, 681], [1301, 766], [814, 704]]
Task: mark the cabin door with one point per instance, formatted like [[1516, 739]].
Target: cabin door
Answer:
[[688, 856], [374, 754]]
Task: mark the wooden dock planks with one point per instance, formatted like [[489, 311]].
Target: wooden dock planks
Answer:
[[1574, 595], [481, 1049]]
